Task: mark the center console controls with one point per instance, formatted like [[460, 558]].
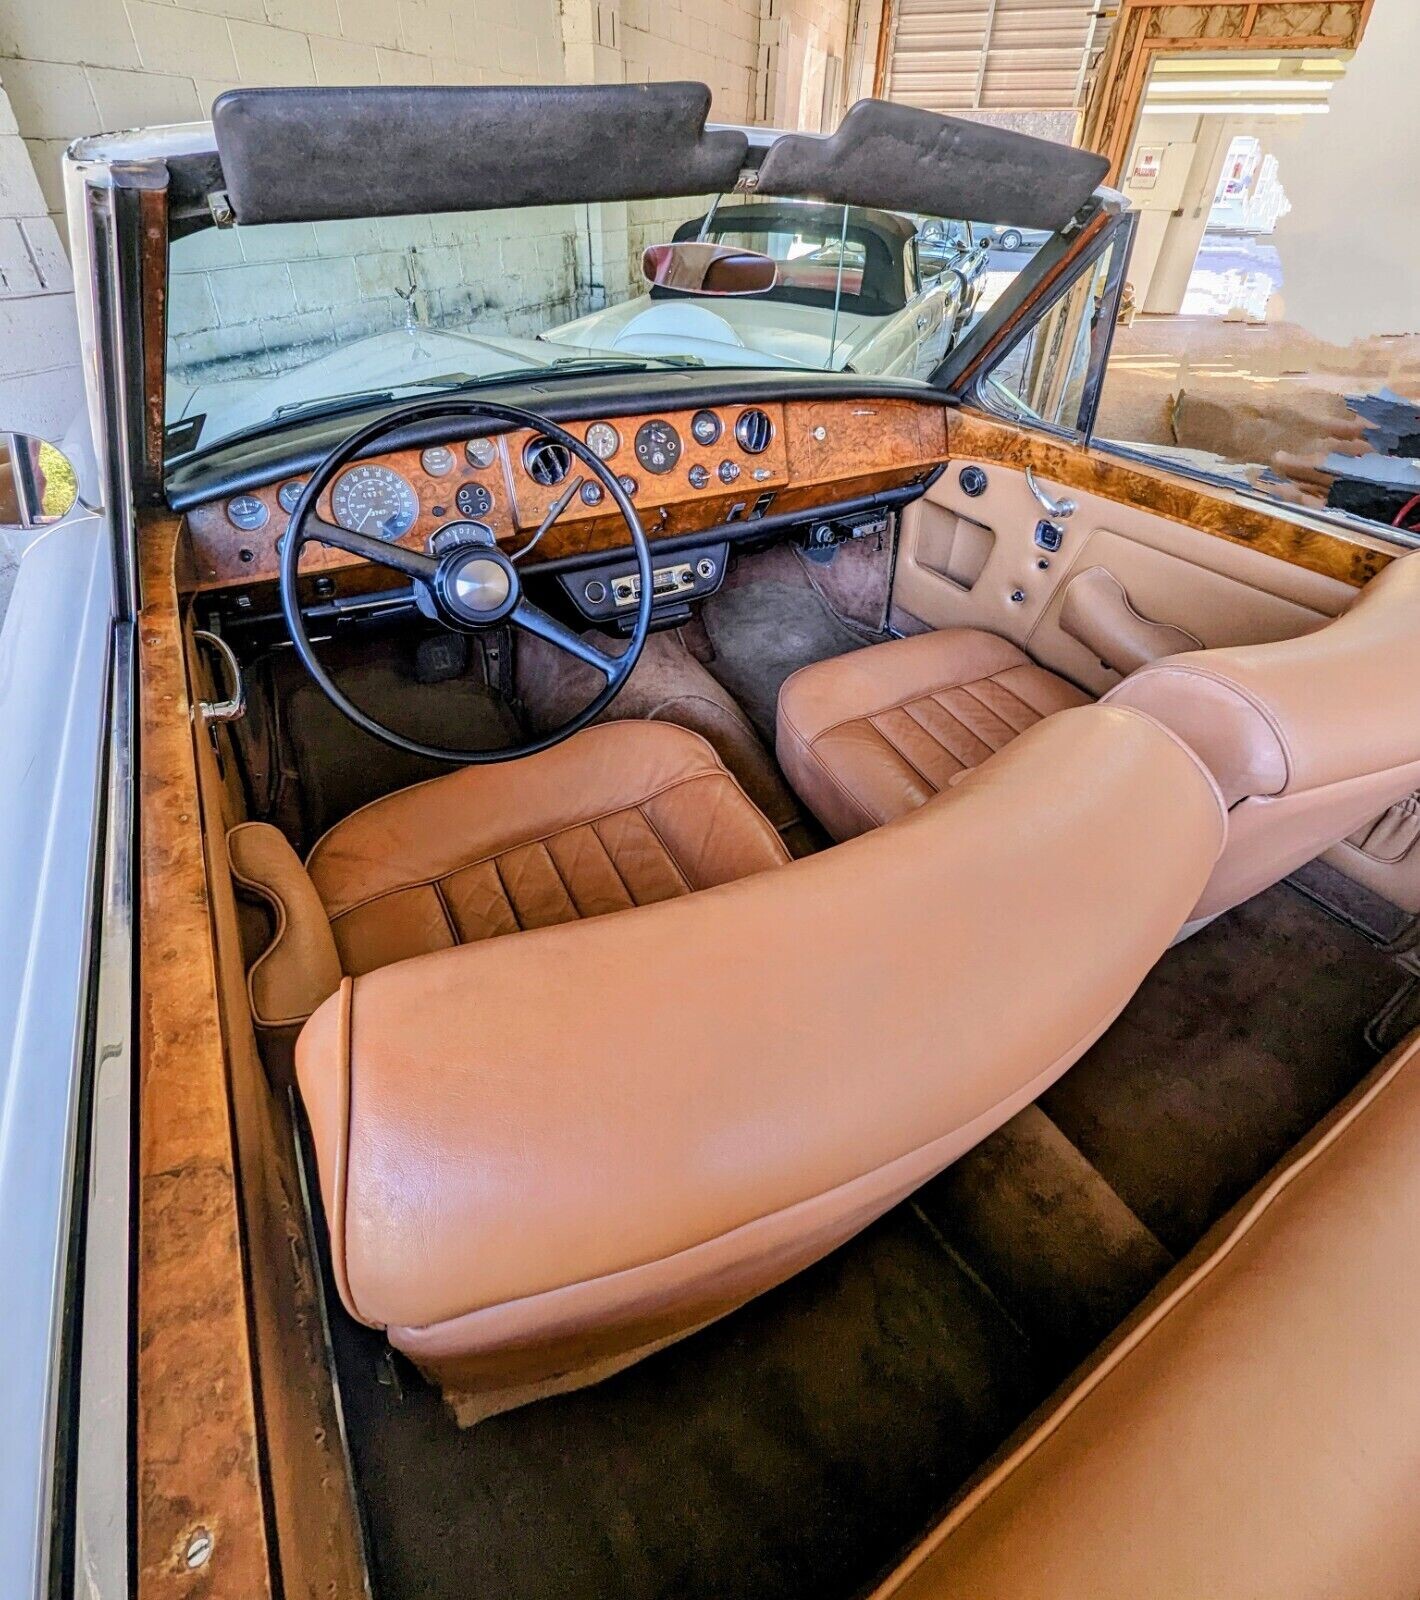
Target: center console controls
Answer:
[[610, 592]]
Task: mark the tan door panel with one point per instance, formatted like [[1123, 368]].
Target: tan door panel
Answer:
[[1171, 574], [962, 558]]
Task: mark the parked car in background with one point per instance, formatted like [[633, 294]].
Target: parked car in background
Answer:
[[854, 290], [1007, 237]]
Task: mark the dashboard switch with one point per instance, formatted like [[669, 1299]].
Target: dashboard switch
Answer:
[[729, 471]]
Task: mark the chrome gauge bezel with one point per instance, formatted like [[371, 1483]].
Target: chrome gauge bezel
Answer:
[[481, 452], [366, 477], [603, 440]]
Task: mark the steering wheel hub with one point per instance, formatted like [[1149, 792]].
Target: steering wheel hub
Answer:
[[478, 587]]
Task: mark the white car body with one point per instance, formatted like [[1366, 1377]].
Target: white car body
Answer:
[[763, 332]]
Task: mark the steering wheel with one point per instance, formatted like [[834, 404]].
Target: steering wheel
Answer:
[[469, 587]]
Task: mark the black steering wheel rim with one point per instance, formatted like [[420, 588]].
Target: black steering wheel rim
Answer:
[[430, 570]]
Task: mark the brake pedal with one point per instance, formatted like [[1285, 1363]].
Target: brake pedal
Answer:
[[440, 658]]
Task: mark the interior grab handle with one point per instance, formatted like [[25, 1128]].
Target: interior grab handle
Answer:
[[1052, 508]]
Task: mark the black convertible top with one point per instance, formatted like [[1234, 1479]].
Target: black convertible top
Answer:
[[300, 155]]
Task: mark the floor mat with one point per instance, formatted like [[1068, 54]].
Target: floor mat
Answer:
[[1238, 1042], [790, 1450], [339, 767], [761, 632]]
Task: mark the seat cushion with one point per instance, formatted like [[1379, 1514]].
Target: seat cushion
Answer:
[[1257, 1430], [543, 1156], [622, 814], [867, 736]]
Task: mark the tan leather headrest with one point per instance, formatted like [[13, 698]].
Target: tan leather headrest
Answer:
[[1270, 719]]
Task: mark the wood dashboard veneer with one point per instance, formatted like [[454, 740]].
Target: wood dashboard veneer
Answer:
[[1351, 557], [195, 1404], [819, 451]]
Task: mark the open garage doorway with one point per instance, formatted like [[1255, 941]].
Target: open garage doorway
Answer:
[[1272, 340]]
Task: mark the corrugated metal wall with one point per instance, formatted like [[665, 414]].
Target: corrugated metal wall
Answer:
[[989, 55]]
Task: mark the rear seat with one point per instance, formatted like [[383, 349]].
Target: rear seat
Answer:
[[1256, 1431]]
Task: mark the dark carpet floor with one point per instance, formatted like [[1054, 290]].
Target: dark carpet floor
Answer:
[[1236, 1044], [761, 632], [795, 1448]]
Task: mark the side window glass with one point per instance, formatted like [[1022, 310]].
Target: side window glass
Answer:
[[1273, 337], [1045, 376]]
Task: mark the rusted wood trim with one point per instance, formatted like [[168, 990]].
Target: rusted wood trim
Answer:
[[153, 282], [1118, 95], [887, 25], [197, 1469], [974, 436]]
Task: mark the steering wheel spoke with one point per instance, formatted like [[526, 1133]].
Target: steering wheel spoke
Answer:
[[536, 621], [412, 563], [469, 588]]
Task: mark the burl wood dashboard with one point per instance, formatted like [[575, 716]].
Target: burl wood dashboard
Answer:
[[687, 472]]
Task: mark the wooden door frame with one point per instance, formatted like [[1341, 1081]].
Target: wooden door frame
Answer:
[[1146, 29]]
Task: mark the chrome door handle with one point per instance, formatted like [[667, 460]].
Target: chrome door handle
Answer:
[[1052, 508], [922, 321]]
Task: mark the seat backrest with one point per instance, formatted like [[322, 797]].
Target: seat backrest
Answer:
[[1255, 1429], [1308, 738]]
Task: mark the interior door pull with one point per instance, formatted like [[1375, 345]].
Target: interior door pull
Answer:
[[1052, 508]]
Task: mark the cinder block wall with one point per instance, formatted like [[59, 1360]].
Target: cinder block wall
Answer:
[[75, 67], [40, 387]]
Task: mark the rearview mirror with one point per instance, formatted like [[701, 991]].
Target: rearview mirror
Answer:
[[38, 484], [692, 266]]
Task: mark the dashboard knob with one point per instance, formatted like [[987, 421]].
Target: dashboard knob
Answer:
[[699, 476], [729, 471]]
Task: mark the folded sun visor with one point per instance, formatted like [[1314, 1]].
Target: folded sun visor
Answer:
[[302, 155], [901, 159]]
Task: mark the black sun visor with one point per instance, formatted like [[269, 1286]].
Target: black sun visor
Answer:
[[303, 155], [307, 155], [900, 159]]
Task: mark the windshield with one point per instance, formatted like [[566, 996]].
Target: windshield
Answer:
[[268, 323]]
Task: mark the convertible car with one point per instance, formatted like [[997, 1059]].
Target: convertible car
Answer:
[[854, 289], [651, 977]]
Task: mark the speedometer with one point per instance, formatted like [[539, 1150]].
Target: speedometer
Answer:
[[376, 501]]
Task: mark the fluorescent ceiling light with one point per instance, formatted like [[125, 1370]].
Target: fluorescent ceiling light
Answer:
[[1234, 108], [1245, 85]]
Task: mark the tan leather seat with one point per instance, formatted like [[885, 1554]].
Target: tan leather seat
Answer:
[[623, 814], [865, 736], [545, 1155], [1256, 1431], [1308, 738]]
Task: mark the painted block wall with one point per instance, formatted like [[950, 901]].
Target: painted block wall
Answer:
[[75, 67]]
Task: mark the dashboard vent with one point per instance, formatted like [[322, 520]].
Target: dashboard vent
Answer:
[[546, 461], [754, 430]]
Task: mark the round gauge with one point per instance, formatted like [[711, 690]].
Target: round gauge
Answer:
[[376, 501], [437, 461], [246, 512], [473, 500], [481, 452], [592, 493], [705, 427], [290, 493], [603, 440], [657, 446]]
